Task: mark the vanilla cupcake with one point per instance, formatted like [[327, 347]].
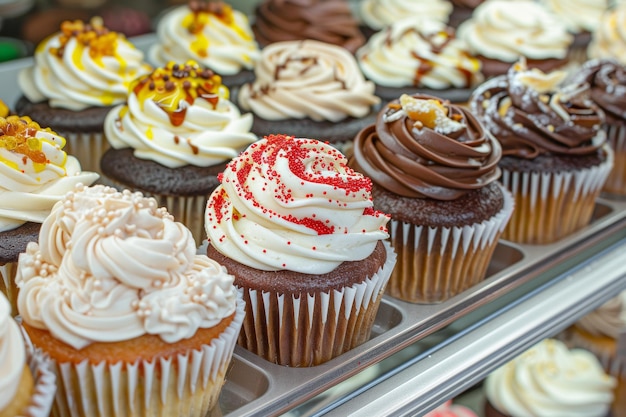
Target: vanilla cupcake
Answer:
[[213, 34], [609, 40], [35, 173], [78, 75], [133, 320], [378, 14]]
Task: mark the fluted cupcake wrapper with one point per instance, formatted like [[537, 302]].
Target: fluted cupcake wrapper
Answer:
[[436, 263], [7, 284], [551, 206], [302, 331], [44, 382], [185, 385], [88, 148], [616, 181]]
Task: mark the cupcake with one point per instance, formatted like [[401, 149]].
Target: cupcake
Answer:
[[378, 14], [27, 384], [132, 319], [555, 157], [500, 32], [328, 21], [212, 34], [609, 40], [309, 88], [36, 173], [173, 137], [296, 228], [607, 88], [548, 379], [78, 75], [415, 55], [434, 169]]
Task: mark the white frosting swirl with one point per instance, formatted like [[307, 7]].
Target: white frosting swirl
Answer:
[[578, 15], [223, 43], [609, 40], [507, 30], [82, 75], [300, 79], [607, 320], [418, 52], [550, 380], [208, 134], [12, 354], [378, 14], [29, 189], [112, 266], [293, 204]]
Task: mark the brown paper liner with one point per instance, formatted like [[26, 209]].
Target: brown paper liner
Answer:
[[616, 181], [435, 264], [45, 383], [88, 148], [7, 284], [307, 331], [551, 206], [185, 385]]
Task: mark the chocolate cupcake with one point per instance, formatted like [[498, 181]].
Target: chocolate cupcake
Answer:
[[555, 157], [434, 169]]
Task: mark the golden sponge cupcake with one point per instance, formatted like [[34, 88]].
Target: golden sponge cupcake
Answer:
[[213, 34], [296, 227], [555, 157], [133, 320], [434, 169], [78, 75], [173, 137], [35, 173]]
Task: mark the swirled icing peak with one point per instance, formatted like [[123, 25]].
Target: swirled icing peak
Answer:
[[533, 113], [423, 147], [378, 14], [12, 354], [111, 266], [293, 204], [549, 379], [35, 172]]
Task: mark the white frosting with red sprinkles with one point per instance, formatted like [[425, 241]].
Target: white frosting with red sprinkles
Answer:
[[293, 204]]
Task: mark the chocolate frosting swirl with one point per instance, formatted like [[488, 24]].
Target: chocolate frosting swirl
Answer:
[[425, 162], [329, 21], [532, 113], [607, 87]]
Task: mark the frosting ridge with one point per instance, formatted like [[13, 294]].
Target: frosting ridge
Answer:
[[378, 14]]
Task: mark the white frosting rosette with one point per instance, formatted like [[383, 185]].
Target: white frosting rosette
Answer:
[[609, 40], [380, 13], [578, 15]]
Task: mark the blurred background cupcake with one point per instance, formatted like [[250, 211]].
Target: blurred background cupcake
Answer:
[[27, 383], [296, 227], [555, 157], [462, 10], [173, 137], [434, 169], [213, 34], [500, 32], [116, 296], [328, 21], [35, 173], [79, 73], [309, 89], [609, 40], [415, 55]]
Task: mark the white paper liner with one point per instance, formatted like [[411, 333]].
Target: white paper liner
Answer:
[[616, 181], [185, 385], [45, 383], [550, 206], [88, 148], [7, 284], [304, 331], [436, 263]]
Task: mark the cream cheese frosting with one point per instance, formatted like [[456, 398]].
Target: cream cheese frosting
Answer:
[[35, 172], [607, 320], [84, 65], [112, 266], [578, 15], [507, 30], [418, 52], [180, 115], [293, 204], [378, 14], [550, 380], [308, 79], [12, 354], [213, 34], [609, 40]]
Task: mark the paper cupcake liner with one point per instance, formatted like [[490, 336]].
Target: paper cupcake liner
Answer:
[[302, 331], [604, 350], [436, 263], [550, 206], [7, 284], [185, 385], [616, 181], [88, 148], [45, 383]]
